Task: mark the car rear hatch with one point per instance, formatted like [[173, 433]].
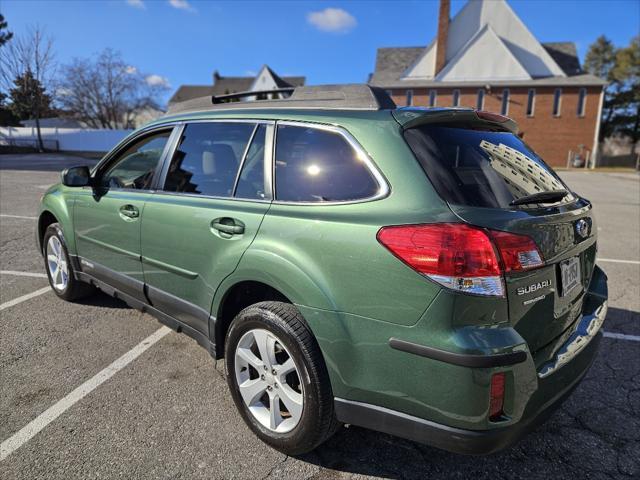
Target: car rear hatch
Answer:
[[484, 171]]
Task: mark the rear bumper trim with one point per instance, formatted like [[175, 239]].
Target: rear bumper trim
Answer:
[[452, 439], [460, 359], [586, 329]]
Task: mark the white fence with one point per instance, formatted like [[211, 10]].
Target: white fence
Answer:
[[64, 139]]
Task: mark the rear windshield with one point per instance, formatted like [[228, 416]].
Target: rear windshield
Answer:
[[481, 168]]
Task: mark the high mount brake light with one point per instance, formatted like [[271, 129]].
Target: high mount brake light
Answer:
[[461, 257], [492, 117]]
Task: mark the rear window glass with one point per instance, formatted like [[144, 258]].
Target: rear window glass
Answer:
[[481, 168], [314, 165]]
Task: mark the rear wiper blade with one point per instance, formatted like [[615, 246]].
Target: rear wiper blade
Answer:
[[541, 197]]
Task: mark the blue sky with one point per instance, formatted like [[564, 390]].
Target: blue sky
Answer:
[[183, 41]]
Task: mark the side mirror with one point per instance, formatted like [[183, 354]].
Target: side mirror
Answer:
[[76, 177]]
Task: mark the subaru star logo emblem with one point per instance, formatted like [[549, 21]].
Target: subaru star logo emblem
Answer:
[[582, 228]]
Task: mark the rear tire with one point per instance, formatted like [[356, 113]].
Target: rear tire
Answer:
[[59, 269], [286, 401]]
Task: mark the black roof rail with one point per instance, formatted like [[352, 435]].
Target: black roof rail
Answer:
[[321, 97], [216, 99]]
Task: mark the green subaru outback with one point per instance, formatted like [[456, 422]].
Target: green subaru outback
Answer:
[[419, 272]]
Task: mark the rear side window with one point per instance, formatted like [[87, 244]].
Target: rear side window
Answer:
[[479, 167], [207, 158], [314, 165]]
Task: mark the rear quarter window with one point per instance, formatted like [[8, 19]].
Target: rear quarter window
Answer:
[[481, 168], [316, 165]]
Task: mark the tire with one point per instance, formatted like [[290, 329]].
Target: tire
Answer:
[[300, 429], [63, 283]]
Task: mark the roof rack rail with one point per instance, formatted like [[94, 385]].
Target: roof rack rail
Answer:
[[320, 97], [216, 99]]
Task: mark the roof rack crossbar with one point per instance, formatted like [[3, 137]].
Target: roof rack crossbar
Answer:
[[215, 99]]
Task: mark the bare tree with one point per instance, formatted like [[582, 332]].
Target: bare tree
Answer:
[[106, 92], [27, 67]]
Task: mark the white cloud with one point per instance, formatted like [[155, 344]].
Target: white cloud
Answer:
[[250, 73], [335, 20], [130, 69], [157, 81], [182, 5], [136, 4]]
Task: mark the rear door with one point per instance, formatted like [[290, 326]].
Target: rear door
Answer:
[[199, 223], [480, 173]]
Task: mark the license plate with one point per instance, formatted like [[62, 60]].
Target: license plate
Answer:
[[570, 272]]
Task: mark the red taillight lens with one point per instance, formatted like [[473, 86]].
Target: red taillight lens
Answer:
[[460, 256], [496, 396], [442, 249], [518, 252]]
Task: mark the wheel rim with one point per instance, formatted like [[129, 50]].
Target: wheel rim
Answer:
[[57, 264], [269, 381]]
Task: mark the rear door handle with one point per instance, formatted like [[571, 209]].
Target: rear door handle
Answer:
[[228, 225], [129, 211]]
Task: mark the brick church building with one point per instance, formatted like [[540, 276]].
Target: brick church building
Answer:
[[486, 58]]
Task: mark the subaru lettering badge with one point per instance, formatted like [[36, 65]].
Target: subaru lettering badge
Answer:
[[582, 228]]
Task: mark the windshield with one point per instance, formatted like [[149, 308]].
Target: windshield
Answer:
[[482, 168]]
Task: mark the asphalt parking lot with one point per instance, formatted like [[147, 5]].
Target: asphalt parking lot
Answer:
[[165, 412]]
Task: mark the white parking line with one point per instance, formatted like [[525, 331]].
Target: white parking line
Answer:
[[21, 299], [23, 274], [613, 260], [17, 216], [622, 336], [25, 434]]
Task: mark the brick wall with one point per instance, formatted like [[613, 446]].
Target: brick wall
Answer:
[[550, 136]]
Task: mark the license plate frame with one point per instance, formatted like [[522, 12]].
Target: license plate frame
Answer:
[[570, 275]]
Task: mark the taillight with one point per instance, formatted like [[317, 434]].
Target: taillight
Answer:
[[518, 252], [459, 256], [496, 396]]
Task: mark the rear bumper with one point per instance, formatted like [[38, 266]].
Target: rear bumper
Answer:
[[556, 379], [457, 440]]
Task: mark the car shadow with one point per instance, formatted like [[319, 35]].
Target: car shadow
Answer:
[[101, 299]]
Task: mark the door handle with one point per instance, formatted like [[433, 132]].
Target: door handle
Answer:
[[129, 211], [228, 225]]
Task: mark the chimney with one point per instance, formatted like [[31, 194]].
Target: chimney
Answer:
[[443, 30]]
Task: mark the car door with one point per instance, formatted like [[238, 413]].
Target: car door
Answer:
[[198, 224], [107, 214]]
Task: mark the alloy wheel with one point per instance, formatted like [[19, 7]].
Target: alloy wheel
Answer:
[[57, 264], [269, 381]]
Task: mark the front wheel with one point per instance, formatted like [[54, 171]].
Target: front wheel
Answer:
[[59, 268], [278, 378]]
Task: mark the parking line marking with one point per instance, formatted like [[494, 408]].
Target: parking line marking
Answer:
[[21, 299], [613, 260], [622, 336], [23, 274], [17, 216], [30, 430]]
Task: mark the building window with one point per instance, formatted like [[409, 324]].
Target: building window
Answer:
[[409, 98], [504, 110], [480, 100], [456, 98], [557, 98], [531, 102], [582, 100], [433, 98]]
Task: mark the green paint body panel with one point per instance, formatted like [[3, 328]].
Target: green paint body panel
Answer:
[[354, 294]]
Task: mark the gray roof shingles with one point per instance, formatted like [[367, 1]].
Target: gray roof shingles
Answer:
[[391, 63]]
